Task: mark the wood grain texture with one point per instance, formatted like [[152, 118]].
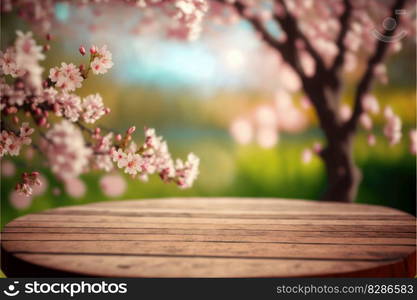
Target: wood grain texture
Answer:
[[212, 237]]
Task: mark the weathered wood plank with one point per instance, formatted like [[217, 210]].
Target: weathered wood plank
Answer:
[[125, 266], [237, 214], [219, 249], [133, 219], [18, 236], [251, 227], [248, 203], [226, 237], [168, 231]]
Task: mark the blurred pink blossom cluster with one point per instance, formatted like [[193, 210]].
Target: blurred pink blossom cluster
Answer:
[[392, 129], [265, 122], [186, 16], [189, 14], [70, 147], [308, 153], [366, 16], [370, 106], [113, 185]]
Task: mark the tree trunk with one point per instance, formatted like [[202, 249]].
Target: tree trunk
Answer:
[[343, 175]]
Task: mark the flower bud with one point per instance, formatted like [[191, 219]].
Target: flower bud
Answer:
[[93, 50], [42, 121], [82, 50], [131, 130]]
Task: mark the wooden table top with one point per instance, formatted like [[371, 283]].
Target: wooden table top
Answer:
[[212, 237]]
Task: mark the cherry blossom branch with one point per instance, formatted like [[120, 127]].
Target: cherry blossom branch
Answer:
[[367, 79], [256, 23], [290, 26], [340, 41], [286, 48], [68, 152]]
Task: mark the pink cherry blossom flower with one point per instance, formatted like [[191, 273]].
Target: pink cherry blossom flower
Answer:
[[113, 185], [381, 73], [40, 189], [26, 49], [10, 143], [93, 108], [48, 95], [317, 147], [20, 201], [371, 140], [75, 187], [103, 162], [307, 63], [345, 112], [8, 168], [267, 137], [67, 77], [388, 113], [187, 172], [120, 158], [266, 116], [133, 164], [65, 148], [29, 180], [28, 55], [103, 151], [69, 106], [366, 121], [242, 131], [370, 104], [8, 63], [306, 156], [392, 129], [102, 61]]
